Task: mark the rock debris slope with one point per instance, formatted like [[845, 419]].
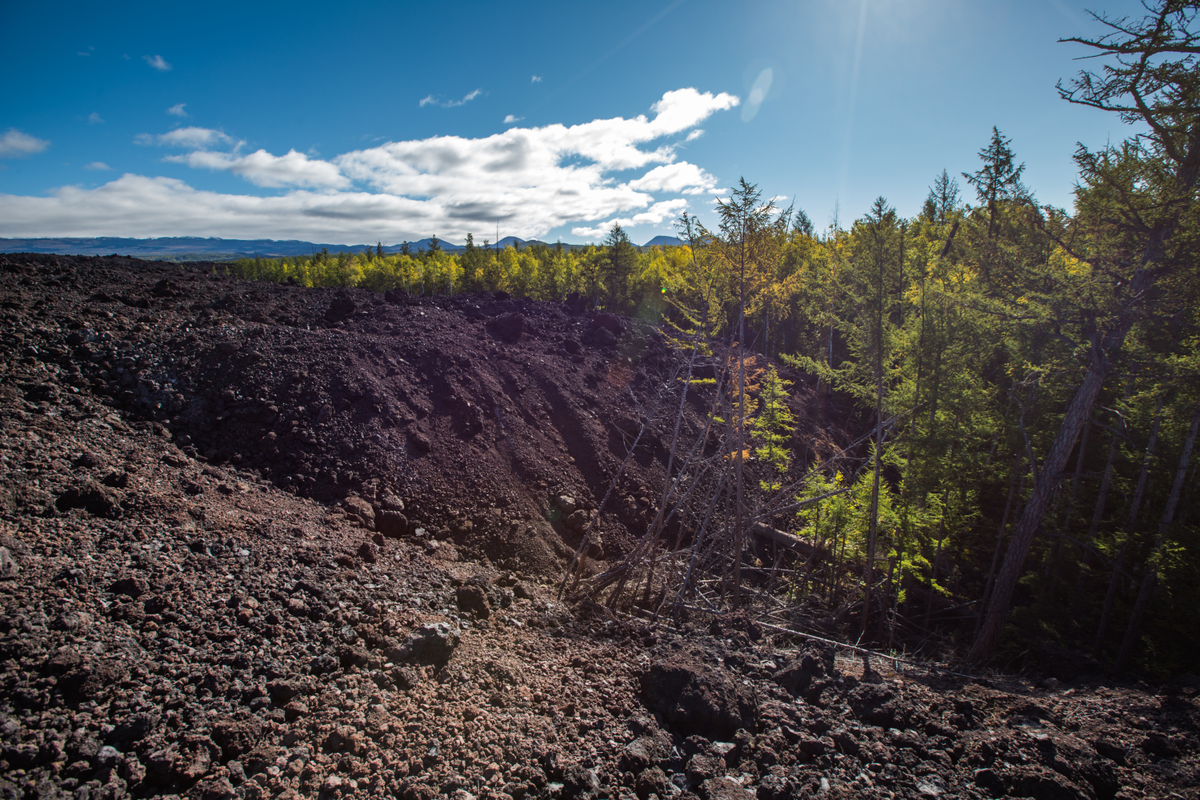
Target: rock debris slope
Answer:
[[262, 541]]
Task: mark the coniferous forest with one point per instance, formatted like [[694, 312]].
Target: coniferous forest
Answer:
[[1027, 378]]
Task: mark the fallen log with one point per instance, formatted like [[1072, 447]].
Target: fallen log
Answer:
[[802, 547]]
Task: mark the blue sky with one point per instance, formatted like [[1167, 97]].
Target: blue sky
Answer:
[[363, 122]]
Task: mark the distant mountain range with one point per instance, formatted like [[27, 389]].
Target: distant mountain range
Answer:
[[194, 248]]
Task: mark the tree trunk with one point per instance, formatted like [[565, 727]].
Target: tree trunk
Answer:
[[1133, 631], [1013, 490], [1070, 514], [739, 533], [1076, 415], [937, 563], [835, 578], [912, 429], [874, 523], [1097, 515], [885, 603], [1115, 580], [1050, 574]]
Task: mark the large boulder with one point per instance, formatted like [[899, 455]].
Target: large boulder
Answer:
[[604, 330], [508, 327], [340, 307], [94, 498], [695, 698], [575, 303], [391, 524], [432, 643], [474, 601], [809, 673], [361, 509], [874, 704]]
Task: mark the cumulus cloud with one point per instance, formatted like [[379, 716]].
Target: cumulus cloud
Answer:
[[678, 177], [140, 206], [189, 138], [177, 110], [685, 108], [532, 179], [97, 165], [536, 178], [94, 118], [158, 62], [536, 79], [14, 144], [263, 169], [510, 119], [655, 215], [438, 101], [694, 135]]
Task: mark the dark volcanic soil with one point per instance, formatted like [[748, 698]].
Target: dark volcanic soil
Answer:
[[263, 541]]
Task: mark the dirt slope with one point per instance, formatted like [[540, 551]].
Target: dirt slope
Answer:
[[261, 541]]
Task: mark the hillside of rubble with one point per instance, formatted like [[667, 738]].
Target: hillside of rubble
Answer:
[[258, 540]]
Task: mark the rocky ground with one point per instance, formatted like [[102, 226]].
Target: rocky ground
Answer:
[[263, 541]]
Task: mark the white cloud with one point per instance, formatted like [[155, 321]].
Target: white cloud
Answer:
[[190, 138], [97, 165], [139, 206], [87, 52], [534, 178], [263, 169], [94, 118], [14, 144], [438, 101], [177, 110], [510, 119], [531, 179], [536, 79], [657, 213], [685, 108], [694, 135], [679, 177], [158, 62]]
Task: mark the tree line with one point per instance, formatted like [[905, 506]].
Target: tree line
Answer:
[[614, 275]]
